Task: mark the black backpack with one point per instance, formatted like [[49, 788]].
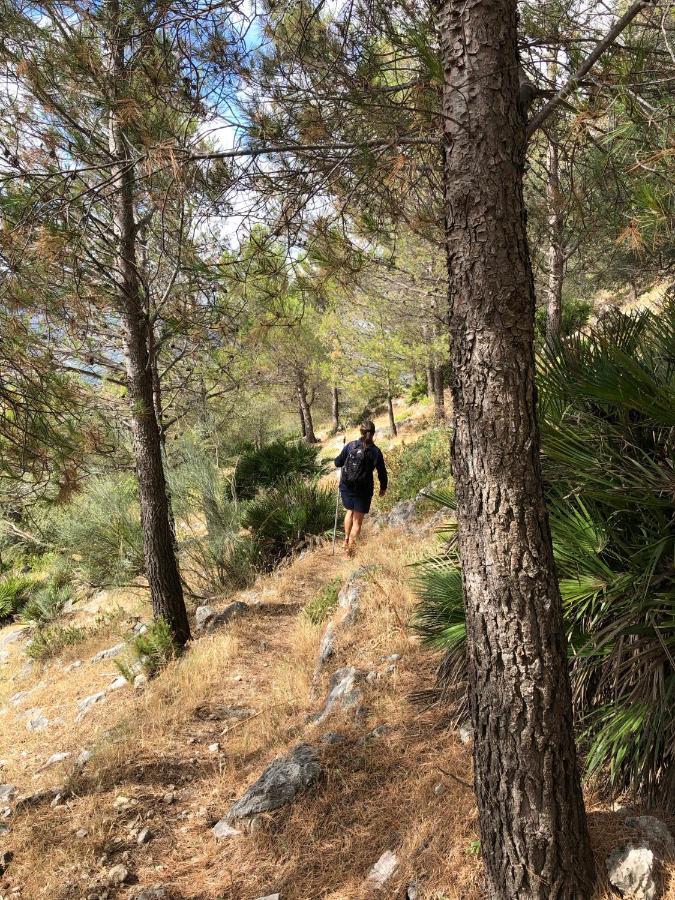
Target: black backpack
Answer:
[[355, 469]]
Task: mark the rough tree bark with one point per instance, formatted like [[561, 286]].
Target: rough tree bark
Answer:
[[439, 393], [305, 408], [534, 837], [303, 426], [158, 547], [392, 421], [556, 255]]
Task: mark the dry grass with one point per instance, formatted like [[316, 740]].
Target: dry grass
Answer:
[[386, 793]]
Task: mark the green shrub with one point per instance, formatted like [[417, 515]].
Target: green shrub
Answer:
[[15, 592], [575, 314], [418, 391], [45, 604], [324, 603], [413, 466], [266, 466], [152, 651], [100, 531], [49, 641], [283, 517], [607, 410]]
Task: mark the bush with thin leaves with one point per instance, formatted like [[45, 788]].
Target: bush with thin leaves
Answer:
[[151, 651], [607, 412], [45, 604], [100, 531], [15, 592], [266, 466], [49, 641], [324, 603], [283, 517]]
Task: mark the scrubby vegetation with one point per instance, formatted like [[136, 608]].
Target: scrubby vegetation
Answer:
[[262, 467], [414, 466], [607, 402], [324, 603]]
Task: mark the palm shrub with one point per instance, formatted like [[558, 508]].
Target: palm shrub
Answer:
[[607, 411], [262, 467], [15, 592], [283, 517]]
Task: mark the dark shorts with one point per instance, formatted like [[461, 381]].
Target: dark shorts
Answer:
[[359, 503]]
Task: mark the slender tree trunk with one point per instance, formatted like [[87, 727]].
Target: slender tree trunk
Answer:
[[392, 420], [556, 257], [534, 837], [161, 564], [305, 407], [303, 426], [429, 365], [336, 409]]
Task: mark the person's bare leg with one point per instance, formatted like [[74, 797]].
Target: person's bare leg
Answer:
[[357, 522], [349, 521]]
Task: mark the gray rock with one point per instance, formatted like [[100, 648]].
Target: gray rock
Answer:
[[342, 693], [85, 705], [117, 683], [332, 737], [54, 759], [371, 677], [4, 656], [632, 870], [144, 836], [83, 759], [383, 869], [350, 595], [10, 636], [36, 720], [7, 791], [207, 618], [75, 664], [222, 830], [269, 897], [153, 892], [48, 795], [402, 515], [412, 892], [81, 833], [140, 681], [17, 698], [203, 616], [327, 646], [279, 784], [109, 653], [655, 834], [117, 875]]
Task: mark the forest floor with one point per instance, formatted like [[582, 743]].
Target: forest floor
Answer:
[[169, 757]]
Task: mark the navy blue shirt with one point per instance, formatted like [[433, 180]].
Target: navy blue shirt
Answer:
[[374, 460]]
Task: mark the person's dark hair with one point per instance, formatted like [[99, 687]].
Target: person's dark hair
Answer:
[[367, 427]]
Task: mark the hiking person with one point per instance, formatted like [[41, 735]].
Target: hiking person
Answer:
[[358, 460]]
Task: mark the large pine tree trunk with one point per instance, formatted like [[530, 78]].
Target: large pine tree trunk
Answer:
[[161, 564], [439, 393], [534, 838], [556, 258]]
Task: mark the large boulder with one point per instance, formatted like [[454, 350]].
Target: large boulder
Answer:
[[279, 784], [633, 870], [655, 834]]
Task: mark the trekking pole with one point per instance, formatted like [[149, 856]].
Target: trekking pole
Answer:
[[337, 506]]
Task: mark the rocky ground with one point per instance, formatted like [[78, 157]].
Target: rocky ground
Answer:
[[278, 758]]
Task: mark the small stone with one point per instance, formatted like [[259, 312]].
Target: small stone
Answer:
[[391, 668], [81, 833], [465, 733], [223, 830], [109, 653], [412, 892], [632, 871], [269, 897], [169, 797], [7, 791], [57, 801], [83, 759], [393, 657], [439, 789], [15, 699], [54, 759], [144, 836], [371, 677], [121, 800], [118, 683], [383, 869], [154, 892], [75, 664], [203, 616], [140, 681], [36, 721], [117, 875], [214, 748]]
